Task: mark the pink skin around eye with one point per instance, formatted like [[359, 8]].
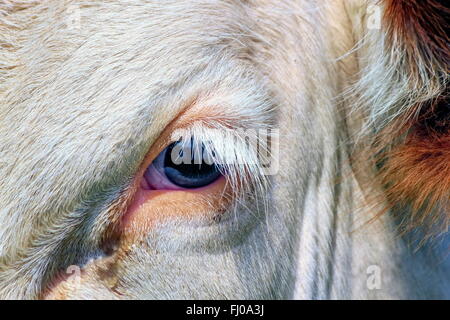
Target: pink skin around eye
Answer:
[[145, 193]]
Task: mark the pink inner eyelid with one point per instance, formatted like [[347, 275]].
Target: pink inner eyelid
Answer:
[[148, 188], [155, 180]]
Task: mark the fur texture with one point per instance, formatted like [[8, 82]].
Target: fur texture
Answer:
[[404, 92], [87, 87]]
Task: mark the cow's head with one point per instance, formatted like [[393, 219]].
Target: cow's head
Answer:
[[286, 104]]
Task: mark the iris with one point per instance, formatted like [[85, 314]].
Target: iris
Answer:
[[182, 166]]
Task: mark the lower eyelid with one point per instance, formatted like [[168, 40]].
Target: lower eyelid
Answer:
[[152, 206], [153, 177]]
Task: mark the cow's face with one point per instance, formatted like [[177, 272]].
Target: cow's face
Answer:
[[100, 100], [101, 92]]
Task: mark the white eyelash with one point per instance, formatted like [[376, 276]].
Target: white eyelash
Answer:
[[241, 160]]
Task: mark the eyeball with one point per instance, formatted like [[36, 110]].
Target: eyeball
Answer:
[[182, 166]]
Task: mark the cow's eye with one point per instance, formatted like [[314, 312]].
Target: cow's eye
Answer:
[[186, 179], [182, 165]]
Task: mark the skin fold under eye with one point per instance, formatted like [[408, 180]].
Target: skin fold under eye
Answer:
[[181, 166]]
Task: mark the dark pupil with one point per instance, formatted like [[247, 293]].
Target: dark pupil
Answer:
[[190, 174]]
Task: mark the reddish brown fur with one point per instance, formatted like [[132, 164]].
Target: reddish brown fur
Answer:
[[413, 152], [417, 174], [422, 28]]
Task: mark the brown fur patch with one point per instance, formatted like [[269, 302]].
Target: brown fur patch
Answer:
[[412, 152], [417, 171], [417, 174], [421, 28]]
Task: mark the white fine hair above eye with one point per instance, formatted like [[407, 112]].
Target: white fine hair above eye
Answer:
[[240, 154]]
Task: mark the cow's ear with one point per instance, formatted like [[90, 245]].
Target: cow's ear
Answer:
[[407, 95], [417, 170]]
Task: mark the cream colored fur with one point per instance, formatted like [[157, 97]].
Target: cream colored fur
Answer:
[[82, 98]]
